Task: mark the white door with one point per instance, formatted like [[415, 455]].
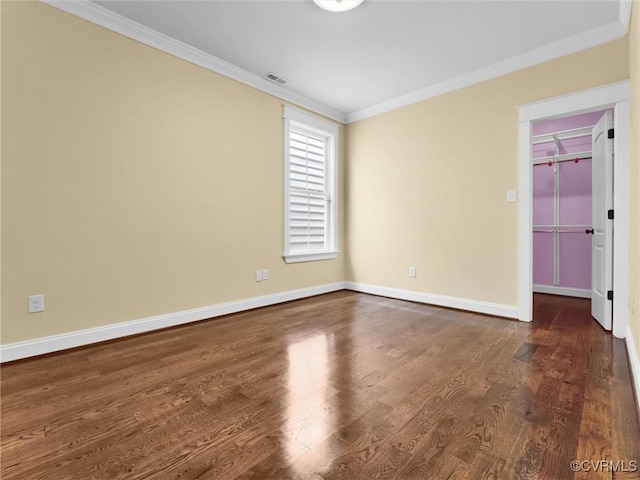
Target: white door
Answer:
[[602, 202]]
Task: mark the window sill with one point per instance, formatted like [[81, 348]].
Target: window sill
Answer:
[[309, 257]]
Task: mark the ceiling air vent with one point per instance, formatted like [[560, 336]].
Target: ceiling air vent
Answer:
[[275, 78]]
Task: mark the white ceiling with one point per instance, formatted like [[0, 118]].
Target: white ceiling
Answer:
[[382, 54]]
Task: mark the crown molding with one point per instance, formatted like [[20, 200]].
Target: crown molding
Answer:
[[104, 17], [582, 41], [91, 12]]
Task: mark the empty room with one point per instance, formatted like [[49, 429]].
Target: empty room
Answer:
[[319, 239]]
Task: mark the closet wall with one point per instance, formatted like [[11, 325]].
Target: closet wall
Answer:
[[561, 248]]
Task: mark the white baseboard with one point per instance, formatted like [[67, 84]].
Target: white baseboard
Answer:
[[54, 343], [566, 291], [634, 363], [499, 310]]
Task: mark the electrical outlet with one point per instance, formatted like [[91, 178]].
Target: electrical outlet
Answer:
[[412, 272], [265, 274], [258, 275], [36, 303]]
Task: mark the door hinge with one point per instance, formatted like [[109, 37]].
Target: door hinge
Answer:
[[610, 295], [610, 133], [610, 214]]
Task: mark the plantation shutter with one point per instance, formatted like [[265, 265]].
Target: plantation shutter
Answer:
[[308, 195]]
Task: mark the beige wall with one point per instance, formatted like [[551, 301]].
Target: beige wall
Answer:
[[133, 183], [426, 183], [634, 264]]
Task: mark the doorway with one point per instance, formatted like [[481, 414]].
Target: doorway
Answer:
[[570, 169], [615, 97]]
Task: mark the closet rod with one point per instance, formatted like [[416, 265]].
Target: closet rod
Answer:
[[565, 157], [558, 231], [562, 226], [561, 135]]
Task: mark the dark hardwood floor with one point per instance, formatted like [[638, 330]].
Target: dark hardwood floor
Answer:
[[340, 386]]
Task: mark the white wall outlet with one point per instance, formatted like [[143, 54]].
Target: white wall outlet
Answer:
[[413, 272], [512, 196], [258, 275], [36, 303], [265, 274]]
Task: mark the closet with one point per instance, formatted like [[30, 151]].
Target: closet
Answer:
[[562, 204]]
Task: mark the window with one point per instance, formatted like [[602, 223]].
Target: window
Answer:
[[310, 187]]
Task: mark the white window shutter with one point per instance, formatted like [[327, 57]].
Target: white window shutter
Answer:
[[308, 196], [310, 208]]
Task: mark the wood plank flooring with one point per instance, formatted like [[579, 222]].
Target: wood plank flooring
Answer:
[[339, 386]]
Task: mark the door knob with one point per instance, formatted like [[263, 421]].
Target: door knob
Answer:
[[589, 231]]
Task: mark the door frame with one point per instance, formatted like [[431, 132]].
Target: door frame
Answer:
[[616, 96]]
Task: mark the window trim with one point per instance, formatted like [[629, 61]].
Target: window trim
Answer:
[[293, 116]]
